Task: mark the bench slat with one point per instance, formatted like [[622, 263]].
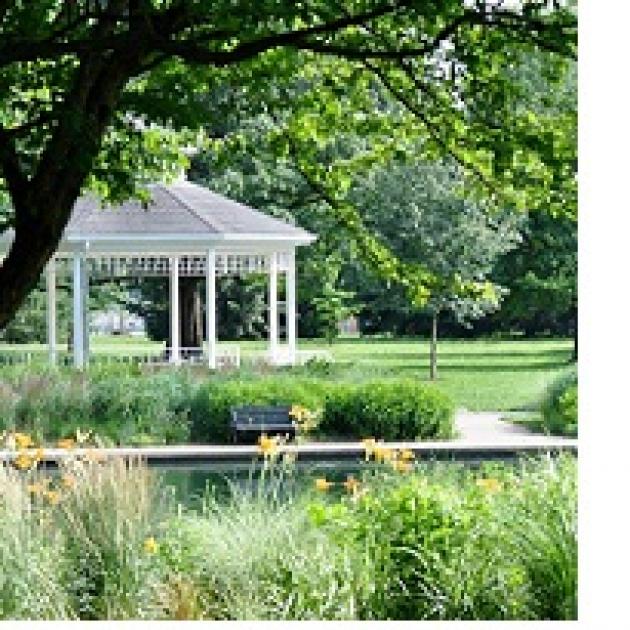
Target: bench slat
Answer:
[[261, 419]]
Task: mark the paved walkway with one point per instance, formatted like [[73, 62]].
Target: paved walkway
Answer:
[[487, 427]]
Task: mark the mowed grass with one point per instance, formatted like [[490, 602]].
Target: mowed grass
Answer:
[[477, 374]]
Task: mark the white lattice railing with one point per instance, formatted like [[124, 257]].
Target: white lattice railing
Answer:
[[191, 265], [228, 356]]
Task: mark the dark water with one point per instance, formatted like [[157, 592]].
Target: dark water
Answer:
[[189, 483]]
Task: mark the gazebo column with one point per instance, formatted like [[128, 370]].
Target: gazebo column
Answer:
[[211, 308], [78, 310], [174, 293], [51, 311], [291, 299], [273, 306], [85, 292]]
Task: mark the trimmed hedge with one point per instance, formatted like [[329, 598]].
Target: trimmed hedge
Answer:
[[170, 408], [560, 406], [210, 410], [389, 410]]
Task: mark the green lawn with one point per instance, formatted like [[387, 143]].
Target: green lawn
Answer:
[[477, 374]]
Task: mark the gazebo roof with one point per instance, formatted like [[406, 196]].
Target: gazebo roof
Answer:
[[181, 214]]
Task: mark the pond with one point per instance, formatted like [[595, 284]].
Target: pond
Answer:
[[190, 482]]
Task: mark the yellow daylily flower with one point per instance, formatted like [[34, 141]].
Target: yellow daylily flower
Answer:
[[267, 446], [401, 466], [150, 545], [322, 484], [67, 443], [35, 488], [52, 496], [407, 455], [369, 444], [383, 453], [351, 484], [297, 411], [489, 485], [23, 461], [23, 440]]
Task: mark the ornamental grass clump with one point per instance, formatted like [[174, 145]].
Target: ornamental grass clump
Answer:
[[110, 519], [74, 543], [257, 556], [31, 555]]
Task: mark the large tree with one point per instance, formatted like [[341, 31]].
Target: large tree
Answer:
[[418, 211], [75, 78]]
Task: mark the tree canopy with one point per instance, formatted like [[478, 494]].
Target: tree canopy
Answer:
[[106, 94]]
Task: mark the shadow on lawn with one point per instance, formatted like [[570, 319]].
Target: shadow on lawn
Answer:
[[484, 367], [404, 340], [467, 356]]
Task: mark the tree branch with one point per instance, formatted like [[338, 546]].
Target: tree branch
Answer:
[[431, 127], [171, 22], [247, 50]]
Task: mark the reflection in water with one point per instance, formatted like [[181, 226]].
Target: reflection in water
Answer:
[[190, 482]]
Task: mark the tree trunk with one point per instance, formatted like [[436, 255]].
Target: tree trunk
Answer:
[[575, 335], [43, 203], [433, 349], [34, 243], [190, 316]]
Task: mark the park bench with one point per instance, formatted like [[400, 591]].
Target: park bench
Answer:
[[253, 421]]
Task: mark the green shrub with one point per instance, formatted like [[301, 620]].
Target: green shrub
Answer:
[[389, 410], [210, 412], [560, 406], [440, 546]]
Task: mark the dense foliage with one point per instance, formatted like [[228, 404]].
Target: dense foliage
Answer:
[[105, 94], [210, 414], [121, 408], [106, 541], [131, 408], [389, 410], [560, 406]]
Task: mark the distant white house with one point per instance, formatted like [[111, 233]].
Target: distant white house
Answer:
[[349, 326]]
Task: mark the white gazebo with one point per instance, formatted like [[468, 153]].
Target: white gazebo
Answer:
[[185, 230]]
